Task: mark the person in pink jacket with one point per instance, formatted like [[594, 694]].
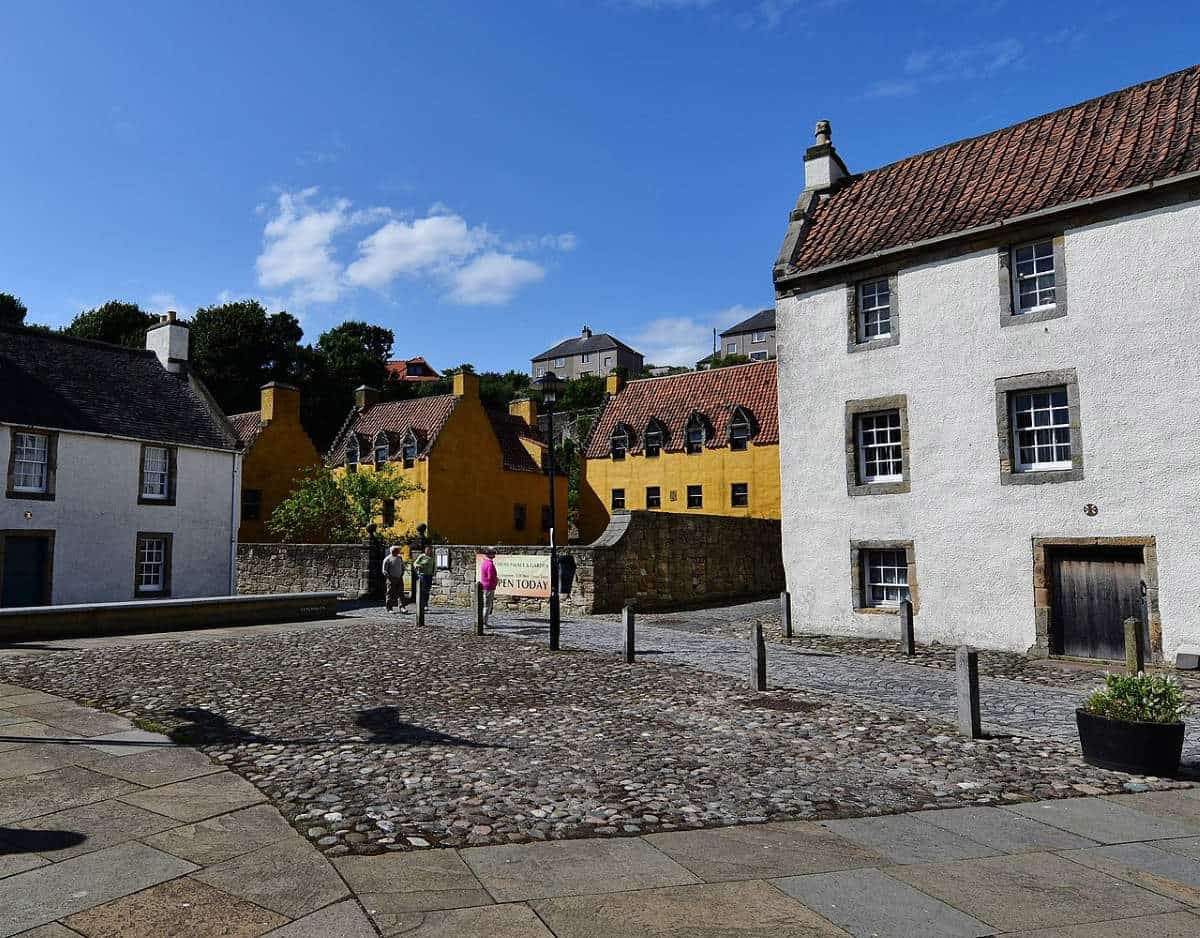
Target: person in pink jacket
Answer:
[[488, 580]]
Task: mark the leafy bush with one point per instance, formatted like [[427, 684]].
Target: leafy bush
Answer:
[[335, 509], [1140, 698]]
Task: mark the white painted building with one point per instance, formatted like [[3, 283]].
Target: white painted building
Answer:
[[122, 475], [989, 388]]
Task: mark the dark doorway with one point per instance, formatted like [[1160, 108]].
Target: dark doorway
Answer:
[[1093, 590], [25, 574]]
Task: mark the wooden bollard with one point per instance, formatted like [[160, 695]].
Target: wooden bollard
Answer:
[[630, 642], [908, 639], [785, 610], [966, 674], [1135, 651], [758, 658], [478, 609]]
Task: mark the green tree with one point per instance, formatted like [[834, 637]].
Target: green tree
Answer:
[[727, 360], [12, 310], [584, 392], [328, 509], [344, 358], [116, 321]]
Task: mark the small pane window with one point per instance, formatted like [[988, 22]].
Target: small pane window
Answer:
[[886, 573], [540, 372], [697, 434], [695, 496], [880, 450], [389, 512], [251, 504], [739, 495], [758, 337], [1033, 276], [608, 361], [874, 310], [151, 564], [411, 448], [758, 356], [585, 357], [731, 348], [519, 517], [156, 472], [654, 439], [382, 449], [620, 443], [560, 363], [739, 430], [653, 496], [352, 456], [31, 462], [618, 499], [1041, 421]]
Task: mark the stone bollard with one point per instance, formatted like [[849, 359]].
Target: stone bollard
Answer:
[[419, 590], [630, 644], [478, 609], [908, 640], [758, 658], [966, 675], [785, 609], [1135, 650]]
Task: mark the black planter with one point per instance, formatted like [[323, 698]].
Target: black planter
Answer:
[[1137, 748]]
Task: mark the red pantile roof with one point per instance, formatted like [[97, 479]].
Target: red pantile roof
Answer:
[[510, 430], [1147, 133], [247, 427], [673, 399], [411, 369], [427, 415]]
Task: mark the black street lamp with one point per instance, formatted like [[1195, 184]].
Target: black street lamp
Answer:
[[549, 384]]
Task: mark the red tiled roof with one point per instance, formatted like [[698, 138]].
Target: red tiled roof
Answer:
[[427, 415], [673, 399], [247, 427], [510, 430], [1138, 135], [411, 369]]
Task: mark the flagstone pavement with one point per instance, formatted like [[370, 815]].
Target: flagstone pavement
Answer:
[[108, 830]]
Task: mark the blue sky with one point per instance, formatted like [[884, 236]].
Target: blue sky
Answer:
[[486, 178]]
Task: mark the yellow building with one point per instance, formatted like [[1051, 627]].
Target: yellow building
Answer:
[[705, 442], [276, 450], [479, 471]]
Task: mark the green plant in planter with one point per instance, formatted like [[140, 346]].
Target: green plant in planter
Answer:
[[1138, 698]]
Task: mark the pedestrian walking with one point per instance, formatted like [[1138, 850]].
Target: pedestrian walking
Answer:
[[393, 573], [424, 567], [488, 581]]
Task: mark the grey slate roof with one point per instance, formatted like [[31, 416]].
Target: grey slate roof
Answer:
[[597, 342], [63, 383], [762, 321]]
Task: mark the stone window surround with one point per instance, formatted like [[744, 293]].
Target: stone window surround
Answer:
[[51, 464], [857, 593], [172, 473], [1005, 387], [1008, 314], [853, 344], [14, 533], [869, 406], [1041, 587], [167, 538]]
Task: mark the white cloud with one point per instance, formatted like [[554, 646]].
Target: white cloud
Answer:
[[298, 247], [439, 242], [892, 88], [684, 340], [493, 278], [925, 67]]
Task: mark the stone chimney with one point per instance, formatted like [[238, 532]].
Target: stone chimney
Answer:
[[466, 384], [587, 332], [525, 408], [168, 339], [280, 402], [823, 168], [365, 398]]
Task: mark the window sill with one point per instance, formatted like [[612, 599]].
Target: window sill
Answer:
[[878, 610], [902, 487], [146, 500], [870, 345], [30, 496], [1038, 314], [1038, 477]]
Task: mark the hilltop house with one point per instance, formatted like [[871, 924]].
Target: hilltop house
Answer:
[[480, 471], [754, 338], [412, 370], [704, 442], [587, 354], [984, 364], [276, 451], [122, 473]]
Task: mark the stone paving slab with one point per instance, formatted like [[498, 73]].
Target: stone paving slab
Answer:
[[31, 796], [762, 851], [1031, 890], [13, 863], [74, 719], [412, 882], [1003, 831], [34, 760], [724, 910], [1184, 846], [871, 904], [44, 895], [23, 696], [181, 906], [128, 742], [1181, 805], [903, 838], [31, 730], [573, 867], [198, 798], [341, 920], [224, 837], [156, 767], [7, 717], [288, 877], [53, 930], [1146, 865], [496, 921], [1103, 821], [1170, 925], [99, 825]]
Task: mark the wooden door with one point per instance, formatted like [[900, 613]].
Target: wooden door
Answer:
[[25, 577], [1093, 591]]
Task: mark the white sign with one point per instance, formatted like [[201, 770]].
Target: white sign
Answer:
[[520, 574]]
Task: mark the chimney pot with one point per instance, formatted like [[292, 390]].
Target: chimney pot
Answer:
[[587, 332], [824, 133], [171, 315], [169, 341], [823, 168]]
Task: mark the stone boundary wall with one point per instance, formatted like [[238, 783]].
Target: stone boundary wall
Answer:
[[655, 560]]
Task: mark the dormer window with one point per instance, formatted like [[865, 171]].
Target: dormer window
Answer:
[[696, 435], [741, 428], [411, 448], [382, 449], [655, 439], [352, 456], [620, 443]]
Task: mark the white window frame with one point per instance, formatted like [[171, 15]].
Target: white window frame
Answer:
[[654, 439], [868, 426], [699, 496], [872, 312], [619, 443], [1058, 423], [32, 451], [731, 348], [882, 571], [1042, 251], [740, 419], [352, 456], [759, 356], [540, 372], [152, 557], [381, 443], [560, 363], [733, 487], [156, 478], [657, 490], [410, 450], [615, 497], [695, 424], [608, 361], [585, 357], [757, 338]]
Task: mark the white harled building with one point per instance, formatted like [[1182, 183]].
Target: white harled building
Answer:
[[989, 384]]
